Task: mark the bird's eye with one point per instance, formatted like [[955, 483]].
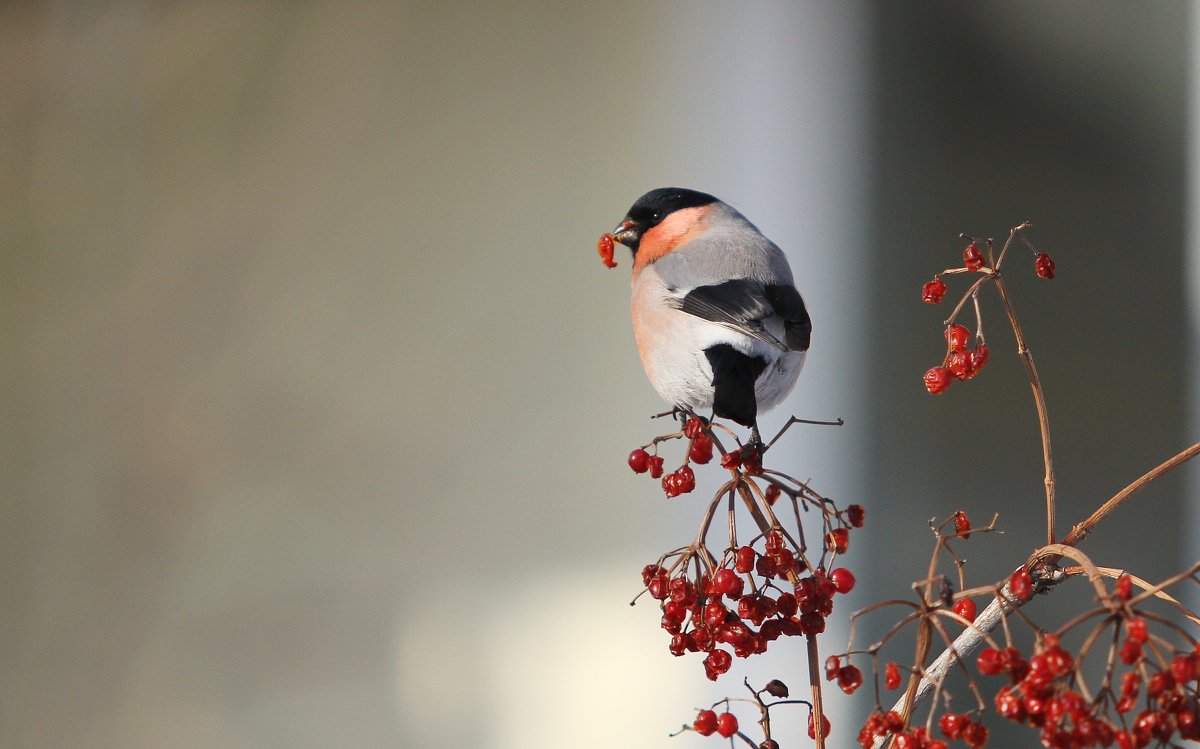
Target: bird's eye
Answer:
[[657, 216]]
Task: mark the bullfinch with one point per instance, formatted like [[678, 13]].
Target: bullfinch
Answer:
[[717, 319]]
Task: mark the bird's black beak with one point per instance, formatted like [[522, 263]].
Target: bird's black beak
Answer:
[[628, 233]]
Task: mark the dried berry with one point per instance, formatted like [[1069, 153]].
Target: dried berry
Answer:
[[933, 291], [605, 248]]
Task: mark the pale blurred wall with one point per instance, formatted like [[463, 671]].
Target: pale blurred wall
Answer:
[[315, 393]]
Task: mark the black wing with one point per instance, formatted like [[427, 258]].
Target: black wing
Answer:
[[789, 305], [743, 305]]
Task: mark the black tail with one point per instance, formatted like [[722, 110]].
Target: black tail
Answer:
[[734, 374]]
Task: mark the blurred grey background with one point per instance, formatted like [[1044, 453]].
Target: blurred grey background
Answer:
[[316, 396]]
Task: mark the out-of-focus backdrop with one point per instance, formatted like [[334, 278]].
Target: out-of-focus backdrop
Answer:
[[315, 396]]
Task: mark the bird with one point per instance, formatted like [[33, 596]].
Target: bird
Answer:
[[717, 318]]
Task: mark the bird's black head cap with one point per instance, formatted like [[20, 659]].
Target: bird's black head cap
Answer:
[[649, 211]]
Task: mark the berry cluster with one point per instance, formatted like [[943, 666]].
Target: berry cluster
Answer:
[[708, 722], [959, 363], [751, 599], [953, 726], [1046, 691], [683, 479]]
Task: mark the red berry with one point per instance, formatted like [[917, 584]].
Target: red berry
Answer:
[[686, 478], [1044, 266], [965, 607], [705, 723], [957, 337], [843, 580], [605, 248], [752, 462], [838, 540], [933, 291], [701, 450], [973, 257], [744, 559], [1183, 668], [1136, 629], [953, 724], [855, 515], [716, 663], [1124, 587], [991, 662], [692, 427], [727, 724], [1021, 585], [891, 677], [937, 380], [833, 665], [824, 726], [975, 735], [849, 679], [639, 460], [958, 364], [976, 359], [772, 494], [1130, 652], [656, 466], [731, 459], [962, 524], [728, 583]]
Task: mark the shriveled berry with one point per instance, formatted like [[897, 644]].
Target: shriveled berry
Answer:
[[744, 559], [957, 337], [772, 494], [891, 676], [849, 679], [962, 524], [855, 515], [991, 662], [958, 364], [973, 257], [937, 380], [1136, 629], [701, 450], [975, 735], [727, 582], [605, 248], [843, 580], [965, 607], [705, 723], [1044, 266], [776, 688], [1021, 585], [838, 540], [639, 460], [812, 734], [1124, 588], [686, 478], [692, 427], [1184, 668], [933, 291], [731, 459], [727, 724], [716, 663], [1130, 652], [977, 358], [656, 466], [953, 724]]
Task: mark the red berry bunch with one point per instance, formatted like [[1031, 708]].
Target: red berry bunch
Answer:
[[708, 722], [683, 479], [1043, 694], [959, 363], [751, 600]]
